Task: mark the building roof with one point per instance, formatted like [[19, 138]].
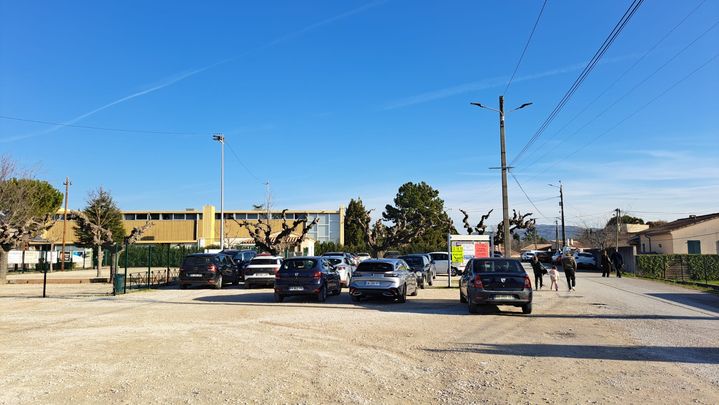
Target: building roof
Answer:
[[680, 223]]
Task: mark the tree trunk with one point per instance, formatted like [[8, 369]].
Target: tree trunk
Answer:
[[99, 260], [3, 265]]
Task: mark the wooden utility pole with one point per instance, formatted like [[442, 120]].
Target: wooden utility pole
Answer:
[[64, 224], [618, 217]]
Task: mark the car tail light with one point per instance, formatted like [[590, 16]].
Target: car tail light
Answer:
[[212, 268], [527, 282], [317, 275], [477, 282], [390, 275], [276, 269]]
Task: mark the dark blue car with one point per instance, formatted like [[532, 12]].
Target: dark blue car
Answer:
[[309, 275]]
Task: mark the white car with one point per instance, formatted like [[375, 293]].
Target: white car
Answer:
[[363, 256], [343, 266], [441, 262], [528, 255], [585, 260], [262, 270]]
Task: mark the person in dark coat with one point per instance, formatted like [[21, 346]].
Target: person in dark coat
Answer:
[[606, 264], [569, 266], [538, 273], [618, 262]]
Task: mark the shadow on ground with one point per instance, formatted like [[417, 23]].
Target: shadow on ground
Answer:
[[706, 301], [696, 355]]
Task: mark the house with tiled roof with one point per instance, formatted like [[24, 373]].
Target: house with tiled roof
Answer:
[[696, 234]]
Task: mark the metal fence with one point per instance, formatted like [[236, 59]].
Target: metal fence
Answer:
[[696, 269], [150, 279]]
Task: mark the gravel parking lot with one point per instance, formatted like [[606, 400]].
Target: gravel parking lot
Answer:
[[612, 341]]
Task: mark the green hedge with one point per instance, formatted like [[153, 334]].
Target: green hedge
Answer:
[[697, 267], [137, 255]]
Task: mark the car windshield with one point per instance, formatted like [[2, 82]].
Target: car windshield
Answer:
[[497, 266], [413, 261], [374, 267], [334, 261], [264, 261], [439, 256], [197, 260], [298, 264]]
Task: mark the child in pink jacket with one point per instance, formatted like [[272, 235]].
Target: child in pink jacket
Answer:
[[553, 276]]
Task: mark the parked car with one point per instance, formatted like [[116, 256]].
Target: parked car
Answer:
[[432, 266], [528, 255], [585, 260], [383, 278], [209, 269], [242, 258], [392, 254], [350, 258], [363, 256], [543, 256], [441, 263], [421, 266], [497, 253], [557, 257], [262, 270], [309, 275], [495, 282], [343, 266]]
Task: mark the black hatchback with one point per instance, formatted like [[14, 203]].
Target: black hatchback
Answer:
[[309, 275], [208, 269], [495, 281]]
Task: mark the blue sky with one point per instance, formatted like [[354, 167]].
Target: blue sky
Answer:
[[330, 100]]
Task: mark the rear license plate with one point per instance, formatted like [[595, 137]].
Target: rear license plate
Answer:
[[373, 283], [195, 275], [294, 288], [262, 275], [503, 297]]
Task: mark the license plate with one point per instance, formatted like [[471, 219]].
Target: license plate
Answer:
[[195, 275], [261, 275], [373, 283], [503, 297], [296, 288]]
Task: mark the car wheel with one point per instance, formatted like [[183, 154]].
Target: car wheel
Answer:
[[183, 286], [462, 300], [473, 308], [414, 293], [527, 308], [355, 298], [279, 297], [430, 281], [322, 295], [403, 298], [338, 291], [218, 284]]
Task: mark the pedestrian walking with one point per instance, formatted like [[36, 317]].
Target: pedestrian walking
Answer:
[[618, 262], [606, 264], [569, 265], [538, 273], [553, 277]]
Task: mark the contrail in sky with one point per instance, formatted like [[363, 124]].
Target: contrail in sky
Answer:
[[182, 76]]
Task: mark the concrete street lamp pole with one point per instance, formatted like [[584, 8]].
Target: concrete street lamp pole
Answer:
[[221, 139]]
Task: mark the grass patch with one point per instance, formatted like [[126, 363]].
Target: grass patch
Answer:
[[684, 284]]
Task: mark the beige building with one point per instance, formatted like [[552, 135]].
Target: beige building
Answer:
[[202, 227], [697, 234]]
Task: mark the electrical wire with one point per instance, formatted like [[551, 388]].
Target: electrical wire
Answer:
[[232, 150], [582, 76], [525, 194], [619, 78], [139, 131], [531, 34], [635, 112]]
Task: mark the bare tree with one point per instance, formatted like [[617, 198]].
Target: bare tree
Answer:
[[379, 236], [273, 241], [99, 224], [480, 228]]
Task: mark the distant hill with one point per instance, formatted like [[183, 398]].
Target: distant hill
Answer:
[[548, 232]]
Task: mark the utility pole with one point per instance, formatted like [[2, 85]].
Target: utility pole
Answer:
[[504, 168], [64, 225], [556, 233], [618, 218], [268, 201], [221, 139], [561, 204]]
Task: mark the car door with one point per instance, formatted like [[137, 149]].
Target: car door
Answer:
[[464, 279], [409, 277], [332, 276]]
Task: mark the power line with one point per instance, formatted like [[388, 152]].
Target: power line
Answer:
[[637, 111], [623, 96], [139, 131], [531, 34], [621, 76], [240, 161], [582, 76], [525, 194]]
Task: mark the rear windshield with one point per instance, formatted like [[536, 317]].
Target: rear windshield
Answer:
[[334, 262], [438, 256], [413, 261], [585, 255], [198, 260], [497, 266], [298, 264], [264, 261], [374, 267]]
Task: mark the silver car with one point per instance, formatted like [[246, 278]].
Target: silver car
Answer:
[[390, 278]]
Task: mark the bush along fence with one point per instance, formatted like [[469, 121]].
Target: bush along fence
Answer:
[[684, 268]]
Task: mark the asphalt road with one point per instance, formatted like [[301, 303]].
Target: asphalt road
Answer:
[[611, 341]]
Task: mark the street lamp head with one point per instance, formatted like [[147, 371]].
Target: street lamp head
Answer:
[[218, 137], [523, 105], [478, 105]]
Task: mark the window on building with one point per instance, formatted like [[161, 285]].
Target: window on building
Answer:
[[240, 215], [251, 216], [191, 217], [276, 216], [660, 245], [178, 216], [166, 217], [141, 217], [694, 247], [129, 217], [300, 216], [229, 215], [156, 217]]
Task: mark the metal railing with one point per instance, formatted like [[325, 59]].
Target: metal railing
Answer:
[[151, 279]]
